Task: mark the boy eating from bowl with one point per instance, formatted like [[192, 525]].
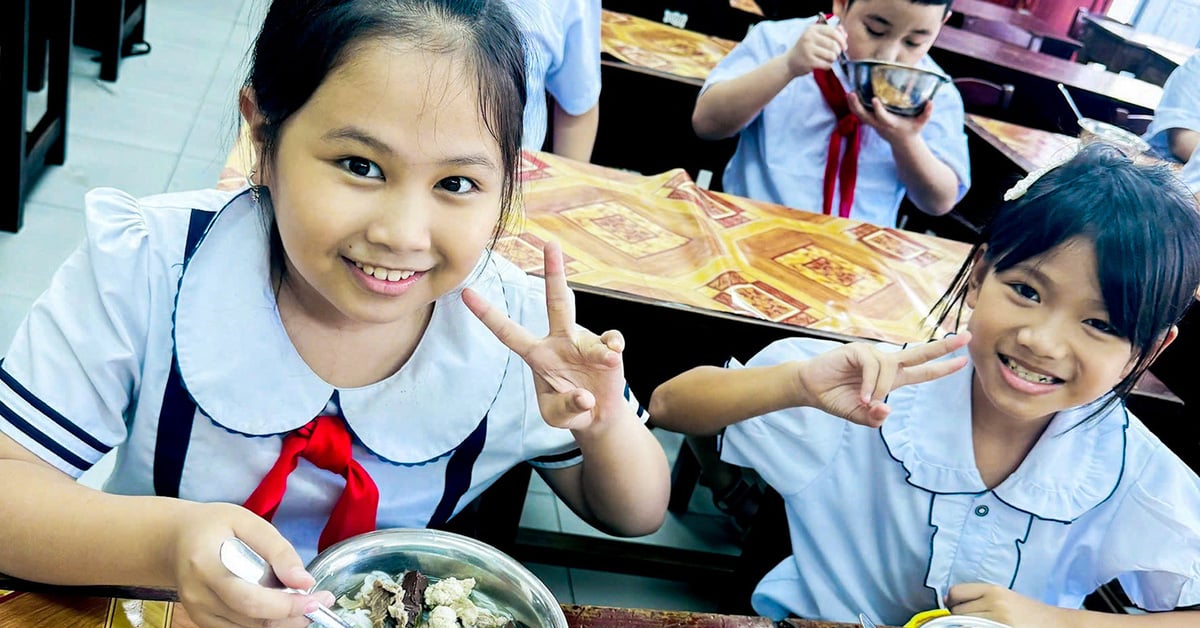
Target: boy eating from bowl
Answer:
[[806, 143]]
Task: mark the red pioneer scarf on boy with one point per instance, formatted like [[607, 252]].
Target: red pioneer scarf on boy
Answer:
[[839, 167], [326, 443]]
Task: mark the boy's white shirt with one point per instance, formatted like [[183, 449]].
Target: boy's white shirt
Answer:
[[88, 368], [781, 153], [884, 521], [1178, 109]]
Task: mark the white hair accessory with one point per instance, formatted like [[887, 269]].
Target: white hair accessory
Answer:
[[1021, 187]]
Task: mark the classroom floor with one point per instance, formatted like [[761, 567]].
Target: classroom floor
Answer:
[[167, 124]]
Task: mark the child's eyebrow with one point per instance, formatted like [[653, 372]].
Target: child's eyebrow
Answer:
[[362, 137]]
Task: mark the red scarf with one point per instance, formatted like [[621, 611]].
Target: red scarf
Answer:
[[839, 167], [325, 442]]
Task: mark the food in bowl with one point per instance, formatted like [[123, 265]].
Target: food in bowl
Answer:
[[903, 89], [1096, 131], [502, 585], [411, 600]]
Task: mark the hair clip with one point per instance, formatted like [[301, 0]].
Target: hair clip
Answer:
[[1021, 187]]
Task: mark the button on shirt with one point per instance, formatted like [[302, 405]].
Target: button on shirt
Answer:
[[780, 156], [885, 521], [562, 57]]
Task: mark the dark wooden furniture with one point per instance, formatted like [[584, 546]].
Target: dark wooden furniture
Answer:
[[1035, 75], [1002, 31], [115, 28], [28, 152], [1048, 39], [1121, 48], [984, 97]]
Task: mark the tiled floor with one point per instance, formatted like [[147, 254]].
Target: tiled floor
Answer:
[[167, 124]]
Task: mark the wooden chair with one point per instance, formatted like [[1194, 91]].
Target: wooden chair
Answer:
[[1002, 31], [984, 97], [1135, 122]]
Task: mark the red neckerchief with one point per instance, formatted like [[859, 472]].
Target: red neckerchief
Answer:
[[325, 442], [843, 168]]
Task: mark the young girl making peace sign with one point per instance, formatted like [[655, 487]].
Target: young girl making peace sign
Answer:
[[310, 350], [1008, 490]]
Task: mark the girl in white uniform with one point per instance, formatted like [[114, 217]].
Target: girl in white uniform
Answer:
[[333, 350], [1007, 490]]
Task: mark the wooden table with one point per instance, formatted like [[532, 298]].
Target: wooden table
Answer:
[[76, 610], [1036, 101], [1028, 148], [1052, 40], [1120, 47]]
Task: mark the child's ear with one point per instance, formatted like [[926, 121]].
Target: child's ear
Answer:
[[255, 122], [979, 271], [1172, 334], [839, 8]]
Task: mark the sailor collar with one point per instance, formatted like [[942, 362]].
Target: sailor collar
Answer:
[[1070, 470], [239, 366]]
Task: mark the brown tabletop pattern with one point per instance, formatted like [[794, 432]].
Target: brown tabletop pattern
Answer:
[[1028, 148], [648, 44], [33, 610], [662, 238]]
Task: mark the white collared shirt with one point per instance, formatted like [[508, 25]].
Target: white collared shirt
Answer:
[[781, 153], [1178, 109], [88, 368], [562, 57], [884, 521]]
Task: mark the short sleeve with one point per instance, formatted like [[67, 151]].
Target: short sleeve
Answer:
[[791, 447], [72, 369], [1178, 108], [575, 82], [1154, 539], [765, 41], [946, 138]]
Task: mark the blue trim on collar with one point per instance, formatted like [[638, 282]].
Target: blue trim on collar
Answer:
[[1018, 543]]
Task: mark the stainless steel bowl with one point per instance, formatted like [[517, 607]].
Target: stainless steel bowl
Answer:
[[903, 89], [1096, 131], [505, 582]]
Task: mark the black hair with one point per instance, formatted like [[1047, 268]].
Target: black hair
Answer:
[[302, 41], [945, 3], [1143, 223]]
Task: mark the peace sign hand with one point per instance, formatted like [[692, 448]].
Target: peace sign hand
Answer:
[[852, 380], [579, 376]]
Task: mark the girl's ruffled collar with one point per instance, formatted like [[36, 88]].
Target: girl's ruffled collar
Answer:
[[1067, 473], [241, 369]]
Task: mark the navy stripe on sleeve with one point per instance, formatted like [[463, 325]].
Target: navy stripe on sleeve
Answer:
[[564, 456], [59, 419], [42, 439]]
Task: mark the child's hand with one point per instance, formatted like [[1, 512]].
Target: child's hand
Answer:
[[891, 127], [817, 49], [579, 376], [997, 603], [852, 380], [215, 597]]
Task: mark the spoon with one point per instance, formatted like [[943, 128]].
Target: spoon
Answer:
[[842, 60], [865, 621], [246, 564], [1071, 101]]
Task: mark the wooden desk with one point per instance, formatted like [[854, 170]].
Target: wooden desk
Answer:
[[1120, 47], [1036, 102], [674, 52], [1028, 148], [79, 610], [1053, 41]]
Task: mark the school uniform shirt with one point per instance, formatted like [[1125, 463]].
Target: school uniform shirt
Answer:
[[1178, 109], [562, 57], [884, 521], [89, 365], [781, 153]]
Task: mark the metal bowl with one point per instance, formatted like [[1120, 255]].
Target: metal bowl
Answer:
[[507, 584], [903, 89], [1096, 131]]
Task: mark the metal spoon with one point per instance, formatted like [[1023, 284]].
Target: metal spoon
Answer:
[[1071, 101], [246, 564], [842, 59]]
